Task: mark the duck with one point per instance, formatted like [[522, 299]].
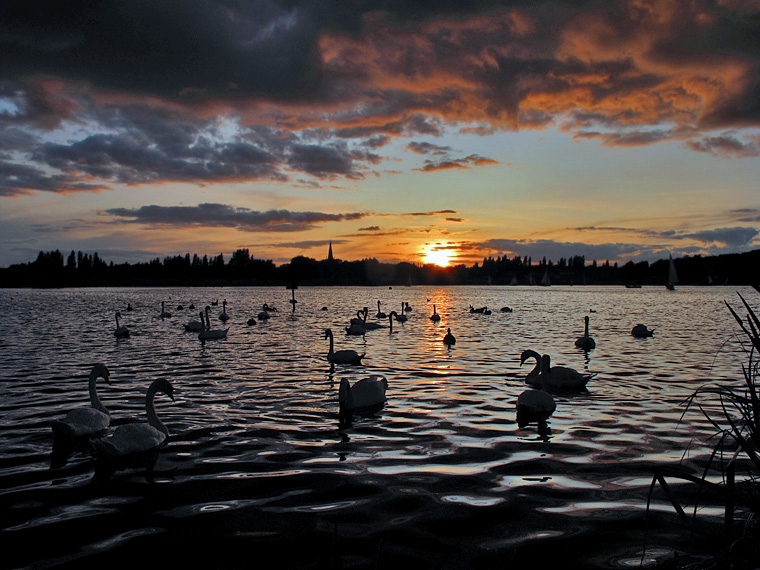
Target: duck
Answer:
[[641, 331], [585, 342], [215, 303], [449, 339], [208, 333], [129, 307], [342, 356], [86, 422], [380, 314], [223, 316], [250, 322], [402, 318], [135, 442], [164, 313], [435, 317], [120, 331], [535, 405], [553, 377], [364, 397], [506, 309]]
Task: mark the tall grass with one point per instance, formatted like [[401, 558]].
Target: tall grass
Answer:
[[734, 413]]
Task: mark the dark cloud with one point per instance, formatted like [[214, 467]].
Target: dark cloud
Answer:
[[725, 146], [457, 163], [18, 179], [726, 236], [436, 213], [427, 148], [221, 215], [555, 250]]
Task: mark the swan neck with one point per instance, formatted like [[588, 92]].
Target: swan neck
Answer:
[[94, 400], [151, 412]]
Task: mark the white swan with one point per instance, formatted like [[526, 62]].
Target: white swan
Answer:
[[120, 331], [586, 342], [208, 333], [86, 422], [223, 316], [164, 313], [435, 317], [553, 377], [449, 339], [641, 331], [380, 314], [342, 356], [402, 318], [366, 396], [135, 442], [536, 405]]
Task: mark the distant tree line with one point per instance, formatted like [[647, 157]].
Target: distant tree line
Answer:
[[78, 269]]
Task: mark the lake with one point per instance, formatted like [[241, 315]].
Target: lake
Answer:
[[258, 472]]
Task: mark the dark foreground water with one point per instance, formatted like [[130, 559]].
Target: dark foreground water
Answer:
[[257, 472]]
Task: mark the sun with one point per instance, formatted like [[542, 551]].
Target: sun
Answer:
[[440, 257]]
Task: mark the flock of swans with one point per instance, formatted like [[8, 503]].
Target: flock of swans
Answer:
[[141, 441]]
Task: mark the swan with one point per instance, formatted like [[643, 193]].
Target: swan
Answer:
[[380, 314], [536, 405], [342, 356], [86, 422], [355, 330], [251, 322], [435, 317], [164, 313], [365, 397], [402, 317], [269, 309], [359, 319], [407, 307], [586, 342], [392, 315], [195, 326], [137, 441], [129, 307], [370, 326], [264, 314], [223, 316], [641, 331], [553, 377], [449, 339], [120, 331], [209, 333], [215, 303]]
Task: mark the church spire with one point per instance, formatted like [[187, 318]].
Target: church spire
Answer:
[[330, 253]]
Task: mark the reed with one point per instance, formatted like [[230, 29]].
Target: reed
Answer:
[[734, 412]]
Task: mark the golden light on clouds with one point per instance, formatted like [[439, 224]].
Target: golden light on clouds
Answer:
[[437, 256]]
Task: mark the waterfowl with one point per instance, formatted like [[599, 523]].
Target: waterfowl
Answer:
[[407, 308], [402, 318], [215, 303], [586, 342], [129, 307], [641, 331], [164, 313], [86, 422], [435, 317], [365, 397], [251, 322], [370, 326], [506, 309], [195, 326], [553, 377], [380, 314], [355, 329], [269, 309], [120, 331], [135, 442], [392, 315], [208, 333], [449, 339], [342, 356], [536, 405], [223, 316], [264, 314]]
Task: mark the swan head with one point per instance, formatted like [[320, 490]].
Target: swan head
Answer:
[[328, 333], [99, 370], [526, 354], [164, 386]]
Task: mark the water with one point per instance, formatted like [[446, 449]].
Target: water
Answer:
[[257, 466]]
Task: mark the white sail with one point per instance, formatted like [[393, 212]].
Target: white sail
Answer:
[[672, 275], [545, 279]]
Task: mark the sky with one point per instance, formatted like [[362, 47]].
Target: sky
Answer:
[[401, 130]]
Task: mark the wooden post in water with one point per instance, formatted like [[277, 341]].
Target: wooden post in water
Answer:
[[292, 286]]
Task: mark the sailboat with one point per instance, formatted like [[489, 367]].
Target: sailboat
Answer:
[[672, 276], [514, 280], [545, 279]]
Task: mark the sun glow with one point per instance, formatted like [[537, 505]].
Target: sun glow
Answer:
[[437, 256]]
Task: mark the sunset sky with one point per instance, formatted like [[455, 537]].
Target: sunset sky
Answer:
[[618, 130]]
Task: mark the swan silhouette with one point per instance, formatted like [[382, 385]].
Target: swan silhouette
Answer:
[[264, 314], [641, 331], [449, 339], [251, 321], [586, 342], [506, 309], [195, 326], [370, 326], [164, 313], [86, 422], [402, 318], [355, 329], [536, 405], [365, 397], [553, 377], [223, 316], [435, 317], [208, 333], [342, 356], [120, 331], [380, 314], [135, 442], [392, 315]]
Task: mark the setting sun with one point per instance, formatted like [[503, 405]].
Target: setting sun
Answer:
[[440, 257]]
